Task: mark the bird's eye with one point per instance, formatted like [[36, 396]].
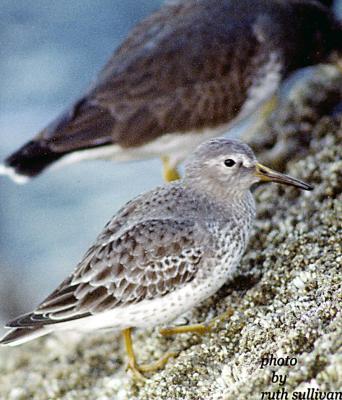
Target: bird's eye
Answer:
[[229, 163]]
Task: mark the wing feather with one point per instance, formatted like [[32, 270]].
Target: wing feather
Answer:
[[148, 260], [186, 67]]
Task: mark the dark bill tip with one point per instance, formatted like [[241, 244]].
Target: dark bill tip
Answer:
[[268, 175]]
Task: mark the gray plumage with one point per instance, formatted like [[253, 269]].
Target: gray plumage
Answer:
[[162, 253], [194, 66]]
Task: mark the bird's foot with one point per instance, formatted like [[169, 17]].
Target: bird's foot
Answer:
[[169, 173], [137, 374], [139, 370], [156, 365], [199, 329]]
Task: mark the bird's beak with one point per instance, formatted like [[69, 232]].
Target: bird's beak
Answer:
[[268, 175]]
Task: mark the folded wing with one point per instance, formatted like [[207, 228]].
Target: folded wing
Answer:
[[149, 260]]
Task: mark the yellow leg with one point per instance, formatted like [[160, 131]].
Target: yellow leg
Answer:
[[259, 117], [336, 59], [132, 362], [196, 328], [159, 364], [268, 107], [169, 174], [200, 329], [339, 64]]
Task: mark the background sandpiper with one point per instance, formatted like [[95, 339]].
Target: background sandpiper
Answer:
[[183, 75]]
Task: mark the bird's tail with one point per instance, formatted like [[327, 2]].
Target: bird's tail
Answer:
[[19, 336], [81, 127], [29, 161]]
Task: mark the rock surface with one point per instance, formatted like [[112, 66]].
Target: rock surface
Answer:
[[286, 299]]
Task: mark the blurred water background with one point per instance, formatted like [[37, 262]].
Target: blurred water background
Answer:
[[50, 51]]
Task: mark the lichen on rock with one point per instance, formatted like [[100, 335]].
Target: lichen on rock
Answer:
[[286, 297]]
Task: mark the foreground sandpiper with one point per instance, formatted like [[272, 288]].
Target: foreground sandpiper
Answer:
[[184, 75], [162, 253]]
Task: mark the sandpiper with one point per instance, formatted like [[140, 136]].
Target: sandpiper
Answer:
[[183, 75], [162, 254]]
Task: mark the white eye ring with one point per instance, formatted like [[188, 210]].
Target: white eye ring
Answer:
[[229, 163]]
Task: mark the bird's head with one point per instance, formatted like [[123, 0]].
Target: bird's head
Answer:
[[230, 166]]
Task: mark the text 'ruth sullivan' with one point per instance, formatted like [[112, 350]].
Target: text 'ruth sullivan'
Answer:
[[280, 379]]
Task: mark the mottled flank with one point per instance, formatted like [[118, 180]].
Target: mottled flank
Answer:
[[286, 299]]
